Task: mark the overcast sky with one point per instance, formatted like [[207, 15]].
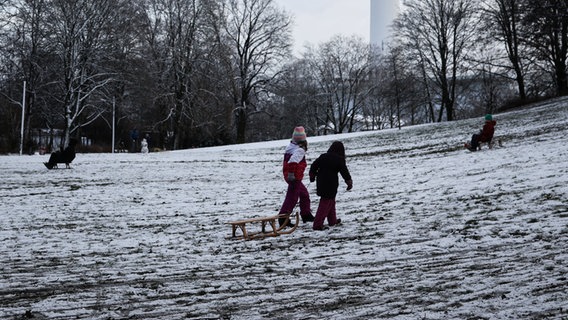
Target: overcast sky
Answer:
[[317, 21]]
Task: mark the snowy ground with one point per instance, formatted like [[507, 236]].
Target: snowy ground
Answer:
[[430, 231]]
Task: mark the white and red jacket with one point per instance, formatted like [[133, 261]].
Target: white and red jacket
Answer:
[[294, 161]]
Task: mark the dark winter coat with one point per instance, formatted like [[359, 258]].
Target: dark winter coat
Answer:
[[63, 156], [325, 169]]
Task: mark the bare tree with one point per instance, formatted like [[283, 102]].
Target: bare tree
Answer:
[[175, 34], [295, 100], [342, 67], [440, 32], [81, 38], [258, 36], [395, 85], [546, 23], [23, 51], [504, 25]]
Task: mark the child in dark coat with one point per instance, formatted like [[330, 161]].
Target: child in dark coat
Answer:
[[63, 156], [324, 170], [485, 135]]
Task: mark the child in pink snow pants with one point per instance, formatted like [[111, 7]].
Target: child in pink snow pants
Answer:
[[293, 168], [324, 170]]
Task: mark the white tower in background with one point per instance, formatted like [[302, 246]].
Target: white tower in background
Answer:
[[383, 13]]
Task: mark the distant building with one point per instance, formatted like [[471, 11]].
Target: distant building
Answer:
[[383, 13]]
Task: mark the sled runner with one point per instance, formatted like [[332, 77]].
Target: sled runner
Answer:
[[267, 225], [47, 165]]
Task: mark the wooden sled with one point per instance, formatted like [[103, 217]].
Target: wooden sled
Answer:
[[489, 144], [267, 225]]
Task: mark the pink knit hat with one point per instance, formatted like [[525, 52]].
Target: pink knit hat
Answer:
[[299, 134]]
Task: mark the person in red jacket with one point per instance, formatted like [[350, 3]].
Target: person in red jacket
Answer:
[[485, 135], [293, 168], [325, 170]]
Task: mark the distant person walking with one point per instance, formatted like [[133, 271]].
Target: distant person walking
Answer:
[[134, 140], [485, 135], [293, 168], [324, 171]]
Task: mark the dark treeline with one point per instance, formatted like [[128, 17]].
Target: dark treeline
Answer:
[[191, 73]]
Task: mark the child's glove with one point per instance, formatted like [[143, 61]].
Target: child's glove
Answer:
[[349, 184]]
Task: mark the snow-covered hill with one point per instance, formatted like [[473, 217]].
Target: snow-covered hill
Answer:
[[430, 231]]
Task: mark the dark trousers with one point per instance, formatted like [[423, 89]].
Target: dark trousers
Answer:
[[476, 140]]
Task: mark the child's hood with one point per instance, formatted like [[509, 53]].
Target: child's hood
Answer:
[[337, 148]]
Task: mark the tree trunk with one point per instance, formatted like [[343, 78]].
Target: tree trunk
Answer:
[[241, 125], [561, 78]]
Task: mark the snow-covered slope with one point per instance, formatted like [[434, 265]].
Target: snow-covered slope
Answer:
[[430, 231]]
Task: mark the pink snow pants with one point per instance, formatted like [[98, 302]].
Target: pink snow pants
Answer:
[[326, 209], [296, 190]]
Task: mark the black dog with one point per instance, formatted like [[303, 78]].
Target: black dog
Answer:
[[66, 156]]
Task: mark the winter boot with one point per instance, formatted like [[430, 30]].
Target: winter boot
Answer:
[[309, 217], [282, 221]]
